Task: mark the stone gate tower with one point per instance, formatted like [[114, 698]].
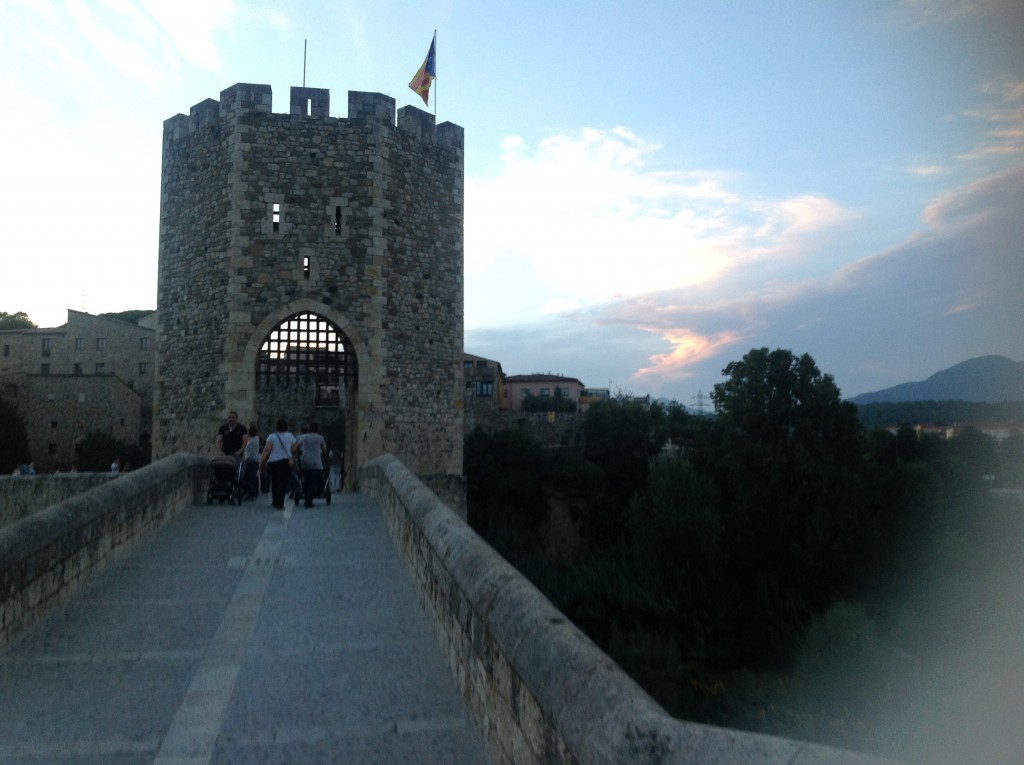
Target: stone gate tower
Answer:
[[353, 223]]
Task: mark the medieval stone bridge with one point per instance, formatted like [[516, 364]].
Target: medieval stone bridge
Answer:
[[140, 625]]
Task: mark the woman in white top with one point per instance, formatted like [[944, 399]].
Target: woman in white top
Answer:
[[277, 456]]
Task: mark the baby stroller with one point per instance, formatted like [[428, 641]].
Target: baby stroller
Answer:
[[298, 489], [225, 481]]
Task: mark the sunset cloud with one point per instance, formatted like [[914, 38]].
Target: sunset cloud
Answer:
[[688, 349], [588, 218]]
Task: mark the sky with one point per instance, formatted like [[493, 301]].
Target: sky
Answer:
[[652, 189]]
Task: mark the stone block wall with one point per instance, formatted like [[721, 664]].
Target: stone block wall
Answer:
[[561, 429], [539, 689], [46, 556], [60, 410], [98, 377], [357, 220], [23, 495]]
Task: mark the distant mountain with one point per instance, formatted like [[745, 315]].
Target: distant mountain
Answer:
[[989, 379]]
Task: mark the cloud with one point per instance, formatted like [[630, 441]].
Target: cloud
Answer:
[[1003, 114], [586, 218], [950, 292], [688, 348], [918, 13], [83, 53], [925, 170], [192, 25]]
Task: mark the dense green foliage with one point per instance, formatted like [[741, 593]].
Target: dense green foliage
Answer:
[[548, 404], [880, 415], [741, 577], [132, 317], [17, 320], [14, 445], [98, 449]]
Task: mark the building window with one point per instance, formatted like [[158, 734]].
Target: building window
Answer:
[[545, 392], [7, 350], [481, 364], [51, 449], [47, 346], [144, 343], [337, 220], [79, 343], [53, 424], [143, 368], [467, 365], [101, 343], [45, 369], [275, 216], [526, 393], [484, 388], [77, 369], [100, 367]]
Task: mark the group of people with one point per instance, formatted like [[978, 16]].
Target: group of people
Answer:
[[276, 457]]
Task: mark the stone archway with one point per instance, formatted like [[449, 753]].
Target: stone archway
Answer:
[[305, 369]]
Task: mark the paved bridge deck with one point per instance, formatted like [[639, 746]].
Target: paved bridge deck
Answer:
[[240, 635]]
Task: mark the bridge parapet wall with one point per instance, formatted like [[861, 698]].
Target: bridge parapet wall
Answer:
[[47, 555], [23, 495], [540, 690]]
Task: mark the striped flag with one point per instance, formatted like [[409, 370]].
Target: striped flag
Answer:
[[425, 76]]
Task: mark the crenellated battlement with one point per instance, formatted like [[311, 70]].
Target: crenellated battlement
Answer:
[[246, 99]]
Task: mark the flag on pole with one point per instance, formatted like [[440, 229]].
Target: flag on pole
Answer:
[[425, 76]]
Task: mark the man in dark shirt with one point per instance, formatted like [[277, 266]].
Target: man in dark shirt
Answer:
[[231, 437]]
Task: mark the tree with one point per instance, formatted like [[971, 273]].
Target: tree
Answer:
[[131, 317], [676, 554], [1011, 460], [504, 474], [556, 403], [17, 320], [618, 439], [14, 445], [776, 396], [785, 453], [98, 449]]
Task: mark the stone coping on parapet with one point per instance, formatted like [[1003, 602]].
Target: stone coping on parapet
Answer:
[[246, 99], [47, 555]]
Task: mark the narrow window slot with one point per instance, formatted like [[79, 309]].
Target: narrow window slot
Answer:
[[275, 216], [305, 266], [337, 219]]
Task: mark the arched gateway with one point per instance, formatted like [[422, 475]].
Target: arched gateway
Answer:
[[312, 266]]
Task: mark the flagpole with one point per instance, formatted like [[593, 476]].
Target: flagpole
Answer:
[[304, 63]]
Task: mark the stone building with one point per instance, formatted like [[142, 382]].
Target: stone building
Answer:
[[93, 373], [485, 382], [485, 393], [520, 387], [312, 267]]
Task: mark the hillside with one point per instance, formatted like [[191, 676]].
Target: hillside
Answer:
[[986, 379]]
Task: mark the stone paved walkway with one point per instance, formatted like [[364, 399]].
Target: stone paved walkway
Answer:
[[240, 635]]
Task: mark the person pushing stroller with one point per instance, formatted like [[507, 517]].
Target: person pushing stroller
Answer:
[[311, 448]]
